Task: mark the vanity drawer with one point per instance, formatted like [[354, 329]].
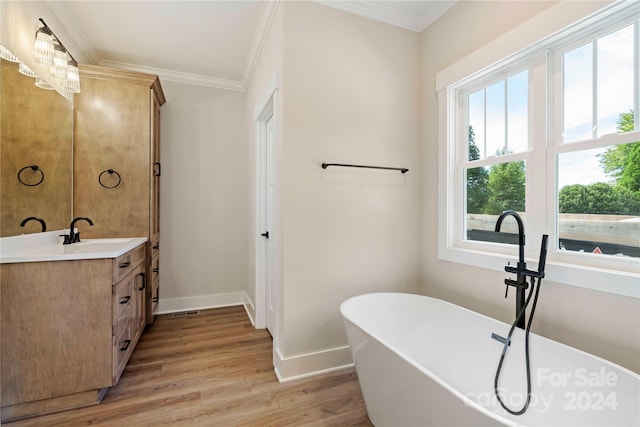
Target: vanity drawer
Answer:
[[123, 300], [126, 262], [155, 269], [155, 297], [155, 248], [122, 348]]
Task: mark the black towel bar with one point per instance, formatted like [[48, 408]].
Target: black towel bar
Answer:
[[326, 165]]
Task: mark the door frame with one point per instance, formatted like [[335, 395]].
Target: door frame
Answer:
[[266, 109]]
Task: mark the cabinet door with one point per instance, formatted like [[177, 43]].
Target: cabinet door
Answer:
[[139, 290], [153, 285], [112, 132], [156, 171], [56, 329]]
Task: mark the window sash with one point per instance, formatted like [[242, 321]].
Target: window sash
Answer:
[[607, 26]]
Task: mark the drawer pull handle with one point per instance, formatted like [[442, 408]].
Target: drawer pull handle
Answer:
[[125, 264], [125, 299], [156, 246], [155, 269], [127, 343], [155, 299], [144, 281]]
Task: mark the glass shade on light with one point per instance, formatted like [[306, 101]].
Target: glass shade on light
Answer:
[[58, 70], [43, 84], [72, 84], [49, 52], [23, 69], [43, 47], [6, 54]]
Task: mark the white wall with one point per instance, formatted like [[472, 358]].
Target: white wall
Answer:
[[602, 324], [351, 95], [203, 197]]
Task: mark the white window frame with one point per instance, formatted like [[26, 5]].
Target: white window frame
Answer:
[[527, 46]]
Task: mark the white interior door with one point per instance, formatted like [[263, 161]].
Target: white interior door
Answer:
[[268, 215], [267, 243]]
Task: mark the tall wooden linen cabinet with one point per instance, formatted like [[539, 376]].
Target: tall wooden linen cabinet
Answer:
[[116, 161]]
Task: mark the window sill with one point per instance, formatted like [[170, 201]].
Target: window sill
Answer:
[[599, 279]]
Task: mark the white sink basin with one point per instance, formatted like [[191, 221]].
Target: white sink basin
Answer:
[[38, 247]]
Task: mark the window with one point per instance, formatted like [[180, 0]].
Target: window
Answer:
[[497, 122], [551, 132], [598, 176]]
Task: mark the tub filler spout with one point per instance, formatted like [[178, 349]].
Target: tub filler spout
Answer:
[[523, 274], [521, 280], [521, 271]]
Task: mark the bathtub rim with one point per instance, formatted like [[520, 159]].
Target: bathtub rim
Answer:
[[467, 401]]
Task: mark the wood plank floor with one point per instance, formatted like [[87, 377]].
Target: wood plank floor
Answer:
[[215, 369]]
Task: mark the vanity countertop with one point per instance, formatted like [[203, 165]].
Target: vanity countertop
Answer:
[[47, 250]]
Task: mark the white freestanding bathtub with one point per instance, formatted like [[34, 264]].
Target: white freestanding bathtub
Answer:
[[423, 361]]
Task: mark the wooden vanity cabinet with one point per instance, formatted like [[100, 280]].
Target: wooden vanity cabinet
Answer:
[[117, 128], [67, 330]]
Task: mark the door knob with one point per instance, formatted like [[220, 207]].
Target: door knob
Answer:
[[265, 234]]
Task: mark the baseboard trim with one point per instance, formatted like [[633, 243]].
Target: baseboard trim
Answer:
[[200, 302], [310, 364], [250, 309]]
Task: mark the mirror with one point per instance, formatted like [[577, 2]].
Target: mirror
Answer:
[[36, 130]]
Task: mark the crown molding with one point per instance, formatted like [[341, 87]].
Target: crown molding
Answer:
[[79, 38], [372, 10], [387, 13], [127, 76], [267, 14], [84, 42], [178, 76], [425, 21]]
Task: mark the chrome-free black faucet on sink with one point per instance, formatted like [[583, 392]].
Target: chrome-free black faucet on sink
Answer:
[[74, 237], [34, 218]]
